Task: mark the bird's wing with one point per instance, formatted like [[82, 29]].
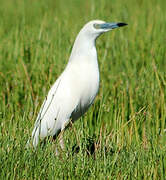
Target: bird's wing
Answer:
[[56, 109], [47, 101], [46, 104]]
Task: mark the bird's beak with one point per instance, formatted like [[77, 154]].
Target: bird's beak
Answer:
[[110, 26]]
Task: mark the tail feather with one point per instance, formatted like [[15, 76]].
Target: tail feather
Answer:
[[34, 140], [35, 137]]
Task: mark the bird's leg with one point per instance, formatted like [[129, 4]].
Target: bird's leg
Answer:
[[56, 151], [61, 142], [74, 130], [70, 124]]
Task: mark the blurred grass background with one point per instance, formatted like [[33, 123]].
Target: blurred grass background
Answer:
[[123, 135]]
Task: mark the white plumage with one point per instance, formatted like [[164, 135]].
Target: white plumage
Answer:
[[76, 88]]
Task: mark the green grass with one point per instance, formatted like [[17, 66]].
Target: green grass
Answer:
[[123, 135]]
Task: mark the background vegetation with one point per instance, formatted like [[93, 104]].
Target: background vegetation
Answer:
[[123, 135]]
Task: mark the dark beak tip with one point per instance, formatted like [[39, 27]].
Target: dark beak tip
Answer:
[[122, 24]]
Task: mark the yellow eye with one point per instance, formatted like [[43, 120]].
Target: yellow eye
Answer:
[[96, 26]]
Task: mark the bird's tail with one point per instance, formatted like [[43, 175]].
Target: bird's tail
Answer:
[[34, 140]]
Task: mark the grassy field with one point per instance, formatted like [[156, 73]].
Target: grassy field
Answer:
[[123, 135]]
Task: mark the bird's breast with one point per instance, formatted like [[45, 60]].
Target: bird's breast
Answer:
[[85, 79]]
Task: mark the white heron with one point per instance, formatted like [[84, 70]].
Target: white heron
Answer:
[[76, 88]]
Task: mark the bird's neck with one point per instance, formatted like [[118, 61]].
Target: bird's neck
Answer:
[[83, 46]]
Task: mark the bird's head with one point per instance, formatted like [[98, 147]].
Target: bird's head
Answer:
[[86, 38], [97, 27]]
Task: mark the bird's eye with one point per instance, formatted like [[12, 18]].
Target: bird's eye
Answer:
[[96, 26]]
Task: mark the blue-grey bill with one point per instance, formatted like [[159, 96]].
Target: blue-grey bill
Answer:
[[112, 25]]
